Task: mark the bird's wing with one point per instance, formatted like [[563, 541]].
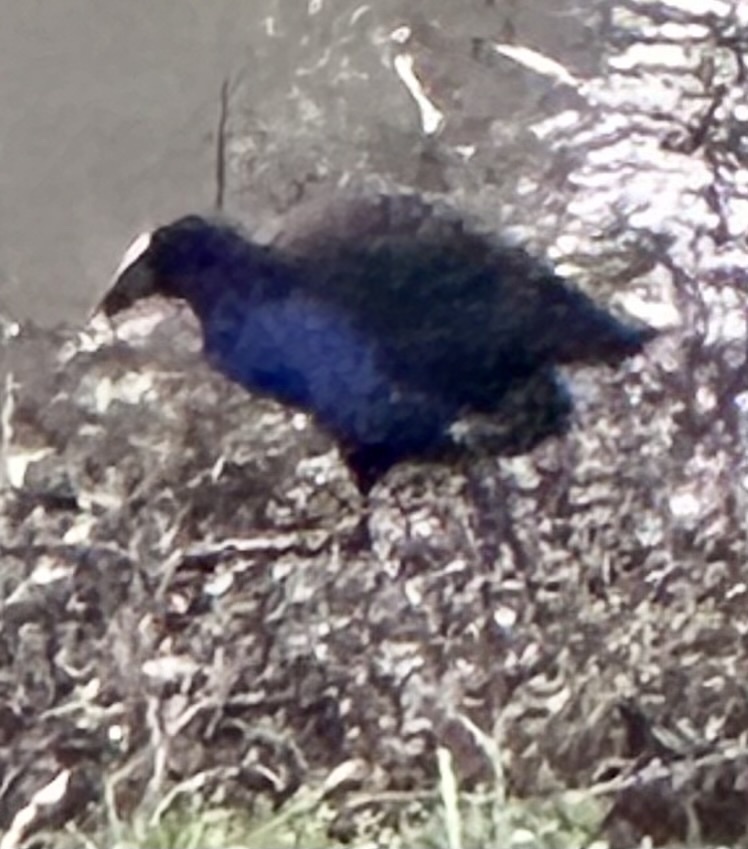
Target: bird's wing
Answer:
[[448, 302]]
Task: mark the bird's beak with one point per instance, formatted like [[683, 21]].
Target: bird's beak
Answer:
[[132, 280]]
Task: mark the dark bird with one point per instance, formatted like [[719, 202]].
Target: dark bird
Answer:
[[390, 320]]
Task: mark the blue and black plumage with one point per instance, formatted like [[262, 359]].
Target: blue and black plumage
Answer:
[[389, 320]]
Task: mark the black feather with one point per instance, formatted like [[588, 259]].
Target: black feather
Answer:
[[390, 321]]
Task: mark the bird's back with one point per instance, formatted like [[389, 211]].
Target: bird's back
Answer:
[[453, 310]]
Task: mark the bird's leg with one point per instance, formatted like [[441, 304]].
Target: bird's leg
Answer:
[[360, 538], [491, 514]]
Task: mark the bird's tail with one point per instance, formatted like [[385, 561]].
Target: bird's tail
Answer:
[[577, 330], [608, 340]]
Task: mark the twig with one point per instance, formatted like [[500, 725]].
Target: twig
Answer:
[[221, 131]]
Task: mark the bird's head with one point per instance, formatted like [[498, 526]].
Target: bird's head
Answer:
[[193, 259]]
